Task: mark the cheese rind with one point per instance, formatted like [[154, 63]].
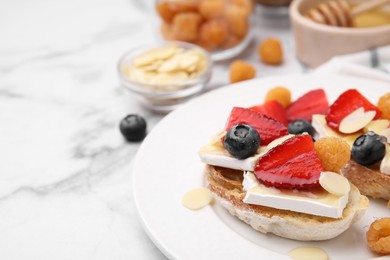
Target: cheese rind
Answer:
[[320, 204], [215, 154], [222, 160]]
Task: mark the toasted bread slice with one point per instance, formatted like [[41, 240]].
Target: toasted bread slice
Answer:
[[369, 180], [227, 189]]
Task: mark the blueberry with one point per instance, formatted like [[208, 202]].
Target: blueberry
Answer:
[[369, 148], [133, 127], [242, 141], [300, 126]]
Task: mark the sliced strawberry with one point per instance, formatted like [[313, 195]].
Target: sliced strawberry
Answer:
[[345, 104], [268, 128], [292, 164], [313, 102], [272, 109]]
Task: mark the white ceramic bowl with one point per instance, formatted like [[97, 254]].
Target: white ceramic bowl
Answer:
[[224, 31], [164, 97], [316, 43]]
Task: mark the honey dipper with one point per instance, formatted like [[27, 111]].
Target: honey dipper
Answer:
[[340, 13]]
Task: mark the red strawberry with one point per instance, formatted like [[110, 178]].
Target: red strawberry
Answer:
[[272, 109], [268, 128], [313, 102], [345, 104], [292, 164]]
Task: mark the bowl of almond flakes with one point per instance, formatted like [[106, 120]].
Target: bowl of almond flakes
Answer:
[[166, 75]]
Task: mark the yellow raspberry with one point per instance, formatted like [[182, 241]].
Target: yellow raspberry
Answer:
[[270, 51], [384, 106], [333, 152], [280, 94], [240, 70]]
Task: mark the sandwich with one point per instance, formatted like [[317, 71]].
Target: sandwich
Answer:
[[273, 179]]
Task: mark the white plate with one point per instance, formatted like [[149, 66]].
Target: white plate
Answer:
[[167, 166]]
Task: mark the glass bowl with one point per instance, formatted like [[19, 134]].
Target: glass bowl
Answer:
[[165, 96], [222, 27]]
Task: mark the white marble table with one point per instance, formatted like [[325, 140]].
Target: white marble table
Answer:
[[65, 172]]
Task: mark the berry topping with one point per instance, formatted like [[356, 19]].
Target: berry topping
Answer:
[[133, 127], [272, 109], [384, 106], [300, 126], [268, 128], [280, 94], [292, 164], [334, 153], [345, 104], [369, 148], [242, 141], [313, 102]]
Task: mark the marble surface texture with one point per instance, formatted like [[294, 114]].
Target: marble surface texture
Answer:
[[65, 172]]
